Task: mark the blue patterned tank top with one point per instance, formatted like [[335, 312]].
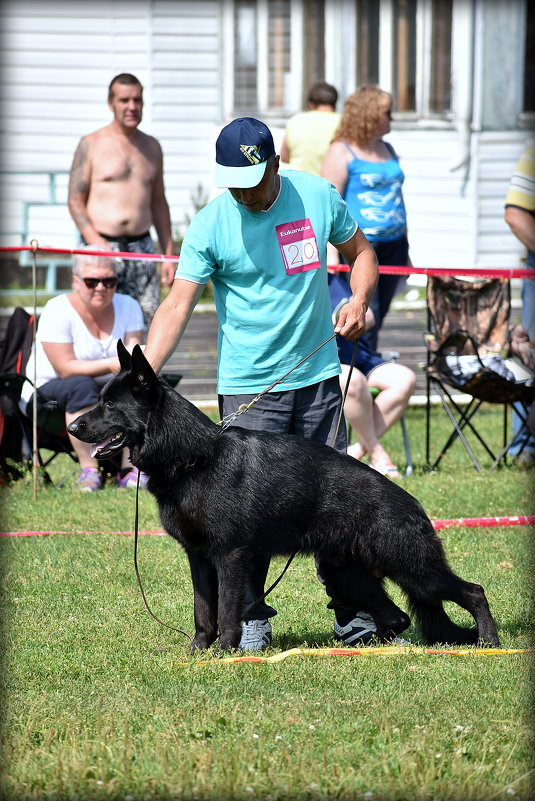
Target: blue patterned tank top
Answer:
[[373, 195]]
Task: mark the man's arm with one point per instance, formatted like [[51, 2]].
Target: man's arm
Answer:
[[170, 321], [522, 224], [161, 218], [79, 186], [361, 257]]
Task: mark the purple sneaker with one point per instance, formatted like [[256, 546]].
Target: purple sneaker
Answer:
[[129, 480], [89, 479]]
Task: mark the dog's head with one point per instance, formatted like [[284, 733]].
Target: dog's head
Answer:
[[120, 417]]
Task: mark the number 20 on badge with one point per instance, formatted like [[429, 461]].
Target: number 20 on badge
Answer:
[[298, 246]]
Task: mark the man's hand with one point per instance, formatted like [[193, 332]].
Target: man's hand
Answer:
[[351, 322], [167, 276]]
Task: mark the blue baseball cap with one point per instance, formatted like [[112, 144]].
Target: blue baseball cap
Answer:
[[241, 153]]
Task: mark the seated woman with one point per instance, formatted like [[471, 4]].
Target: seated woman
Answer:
[[370, 417], [76, 347]]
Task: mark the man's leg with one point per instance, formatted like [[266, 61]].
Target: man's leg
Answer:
[[139, 278], [317, 417], [272, 413]]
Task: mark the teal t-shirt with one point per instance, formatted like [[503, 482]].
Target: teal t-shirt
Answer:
[[269, 276]]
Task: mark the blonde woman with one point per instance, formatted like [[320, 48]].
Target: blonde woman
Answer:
[[76, 352], [366, 171]]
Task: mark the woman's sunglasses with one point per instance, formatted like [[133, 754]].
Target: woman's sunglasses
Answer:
[[92, 283]]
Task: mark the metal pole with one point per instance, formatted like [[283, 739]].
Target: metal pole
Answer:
[[35, 459]]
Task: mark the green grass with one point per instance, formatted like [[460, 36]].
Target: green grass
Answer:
[[98, 706]]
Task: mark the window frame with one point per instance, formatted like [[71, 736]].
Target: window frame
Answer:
[[422, 114], [263, 110], [340, 25]]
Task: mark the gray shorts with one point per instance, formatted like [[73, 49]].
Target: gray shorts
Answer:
[[311, 412]]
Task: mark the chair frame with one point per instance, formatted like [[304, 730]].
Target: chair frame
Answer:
[[508, 394], [463, 420]]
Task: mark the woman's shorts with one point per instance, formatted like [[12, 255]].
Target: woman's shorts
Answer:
[[70, 394], [366, 359]]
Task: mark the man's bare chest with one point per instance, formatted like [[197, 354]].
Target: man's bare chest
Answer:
[[117, 162]]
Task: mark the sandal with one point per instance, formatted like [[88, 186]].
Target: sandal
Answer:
[[387, 469]]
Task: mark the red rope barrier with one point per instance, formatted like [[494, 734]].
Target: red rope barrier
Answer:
[[484, 522], [113, 254], [489, 272], [438, 525]]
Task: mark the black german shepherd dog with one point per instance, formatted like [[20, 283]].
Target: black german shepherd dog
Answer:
[[227, 495]]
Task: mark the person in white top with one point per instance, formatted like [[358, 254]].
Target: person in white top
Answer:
[[76, 351]]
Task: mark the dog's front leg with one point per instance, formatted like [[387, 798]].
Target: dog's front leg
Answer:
[[232, 572], [204, 579]]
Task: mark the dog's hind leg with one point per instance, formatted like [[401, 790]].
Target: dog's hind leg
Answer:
[[205, 600], [426, 603], [232, 572], [472, 598], [418, 565]]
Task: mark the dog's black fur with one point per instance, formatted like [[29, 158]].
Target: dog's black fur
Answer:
[[227, 496]]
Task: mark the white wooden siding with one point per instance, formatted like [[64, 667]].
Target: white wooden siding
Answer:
[[497, 156]]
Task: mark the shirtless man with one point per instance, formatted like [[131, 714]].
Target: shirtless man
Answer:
[[116, 192]]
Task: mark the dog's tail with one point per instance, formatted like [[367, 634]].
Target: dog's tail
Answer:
[[437, 627]]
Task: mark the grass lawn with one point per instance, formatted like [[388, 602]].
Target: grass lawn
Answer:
[[97, 704]]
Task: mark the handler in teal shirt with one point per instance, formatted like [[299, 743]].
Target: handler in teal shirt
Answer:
[[264, 245], [269, 275]]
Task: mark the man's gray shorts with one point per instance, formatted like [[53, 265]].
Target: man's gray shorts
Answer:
[[311, 412]]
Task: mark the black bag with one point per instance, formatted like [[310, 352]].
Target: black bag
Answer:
[[14, 357], [17, 343]]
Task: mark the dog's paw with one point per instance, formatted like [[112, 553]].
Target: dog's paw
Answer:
[[201, 642], [488, 642]]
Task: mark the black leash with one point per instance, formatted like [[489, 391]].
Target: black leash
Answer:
[[225, 423], [136, 534]]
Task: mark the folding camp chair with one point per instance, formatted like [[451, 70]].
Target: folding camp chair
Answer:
[[467, 349], [16, 445]]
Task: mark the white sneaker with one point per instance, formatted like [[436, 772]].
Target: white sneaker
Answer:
[[255, 635], [361, 629]]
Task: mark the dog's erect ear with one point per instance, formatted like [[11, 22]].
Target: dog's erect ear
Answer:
[[125, 360], [142, 372]]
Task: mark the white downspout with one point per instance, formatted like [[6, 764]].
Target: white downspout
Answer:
[[463, 69]]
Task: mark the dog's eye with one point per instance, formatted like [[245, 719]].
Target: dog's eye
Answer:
[[109, 404]]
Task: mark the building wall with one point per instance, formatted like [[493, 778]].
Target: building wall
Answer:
[[58, 58]]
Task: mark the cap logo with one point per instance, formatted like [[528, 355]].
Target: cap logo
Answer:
[[251, 153]]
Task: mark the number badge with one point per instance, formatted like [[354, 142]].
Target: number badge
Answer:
[[298, 245]]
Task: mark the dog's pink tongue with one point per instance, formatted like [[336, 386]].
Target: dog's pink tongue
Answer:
[[98, 447]]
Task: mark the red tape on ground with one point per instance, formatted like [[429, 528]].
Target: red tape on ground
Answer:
[[388, 650], [459, 522], [484, 522]]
